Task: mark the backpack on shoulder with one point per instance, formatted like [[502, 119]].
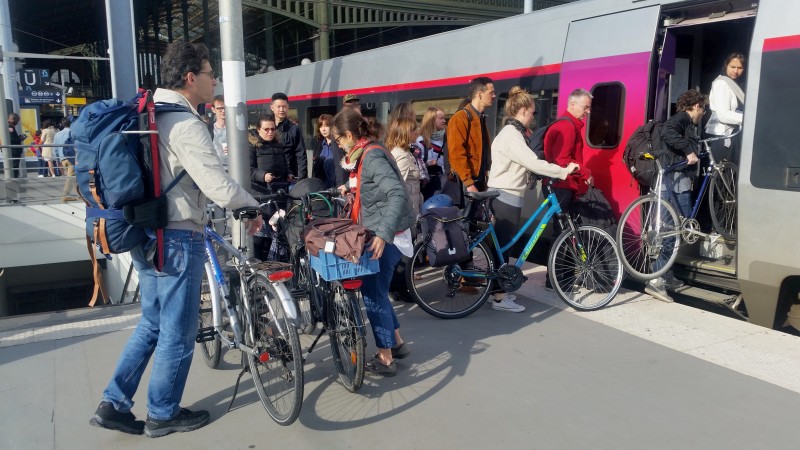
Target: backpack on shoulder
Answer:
[[645, 139], [448, 244], [536, 141], [118, 177]]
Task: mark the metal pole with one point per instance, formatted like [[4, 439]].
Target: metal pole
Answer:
[[324, 31], [9, 63], [4, 134], [233, 73], [528, 6], [121, 48]]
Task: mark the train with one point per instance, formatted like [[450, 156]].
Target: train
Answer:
[[635, 57]]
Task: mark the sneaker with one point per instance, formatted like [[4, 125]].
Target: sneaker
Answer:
[[400, 352], [40, 176], [507, 305], [671, 282], [109, 418], [376, 367], [657, 289], [185, 421]]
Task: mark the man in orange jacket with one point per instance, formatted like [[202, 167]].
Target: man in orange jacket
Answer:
[[468, 141]]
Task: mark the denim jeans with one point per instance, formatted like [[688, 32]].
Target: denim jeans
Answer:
[[375, 290], [170, 312]]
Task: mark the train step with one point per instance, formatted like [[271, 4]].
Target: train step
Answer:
[[732, 301]]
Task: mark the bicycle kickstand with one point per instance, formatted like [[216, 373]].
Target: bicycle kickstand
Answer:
[[236, 387]]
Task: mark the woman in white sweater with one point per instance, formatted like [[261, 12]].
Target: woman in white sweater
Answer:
[[726, 102], [512, 159]]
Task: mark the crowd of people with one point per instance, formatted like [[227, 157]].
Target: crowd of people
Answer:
[[390, 170]]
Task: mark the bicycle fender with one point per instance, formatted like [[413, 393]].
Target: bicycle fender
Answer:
[[288, 303]]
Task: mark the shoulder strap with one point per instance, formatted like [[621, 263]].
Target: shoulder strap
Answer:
[[737, 90]]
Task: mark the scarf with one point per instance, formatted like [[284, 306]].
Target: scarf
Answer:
[[526, 132], [350, 160]]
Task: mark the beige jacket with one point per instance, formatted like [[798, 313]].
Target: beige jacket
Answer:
[[185, 143], [512, 159], [410, 173]]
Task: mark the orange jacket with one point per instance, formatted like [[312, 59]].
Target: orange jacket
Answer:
[[464, 152]]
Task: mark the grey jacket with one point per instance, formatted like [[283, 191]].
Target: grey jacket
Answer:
[[385, 207], [184, 143]]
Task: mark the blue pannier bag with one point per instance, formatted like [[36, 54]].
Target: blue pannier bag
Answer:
[[117, 173]]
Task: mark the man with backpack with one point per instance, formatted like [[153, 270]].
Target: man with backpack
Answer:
[[170, 298], [468, 140], [67, 156]]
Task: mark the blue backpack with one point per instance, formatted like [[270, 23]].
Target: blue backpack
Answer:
[[117, 172]]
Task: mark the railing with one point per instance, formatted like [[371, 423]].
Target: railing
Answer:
[[28, 188]]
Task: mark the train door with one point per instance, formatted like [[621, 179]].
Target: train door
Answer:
[[769, 176], [610, 56]]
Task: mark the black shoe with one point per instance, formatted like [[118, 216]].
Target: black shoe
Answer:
[[400, 352], [376, 367], [108, 417], [185, 421]]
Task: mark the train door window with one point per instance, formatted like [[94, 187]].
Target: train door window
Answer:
[[502, 98], [605, 120]]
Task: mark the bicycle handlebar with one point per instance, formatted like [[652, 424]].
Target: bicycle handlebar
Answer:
[[269, 197]]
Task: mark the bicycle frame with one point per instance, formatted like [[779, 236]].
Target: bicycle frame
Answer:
[[548, 208]]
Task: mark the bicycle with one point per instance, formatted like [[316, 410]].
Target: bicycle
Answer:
[[651, 229], [335, 304], [246, 306], [584, 266]]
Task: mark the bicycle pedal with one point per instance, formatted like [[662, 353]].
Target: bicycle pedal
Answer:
[[206, 334]]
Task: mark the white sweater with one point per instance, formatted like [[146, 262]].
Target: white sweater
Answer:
[[512, 159], [724, 113]]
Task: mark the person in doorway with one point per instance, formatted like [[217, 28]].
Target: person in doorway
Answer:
[[170, 299], [382, 206], [291, 137], [512, 159], [679, 136], [726, 102]]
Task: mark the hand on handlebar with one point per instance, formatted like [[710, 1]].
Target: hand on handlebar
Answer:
[[572, 167], [472, 188], [692, 158]]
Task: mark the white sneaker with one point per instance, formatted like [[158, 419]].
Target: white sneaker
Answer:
[[508, 305], [656, 288]]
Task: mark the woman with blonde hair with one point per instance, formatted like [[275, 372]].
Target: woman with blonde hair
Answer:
[[401, 139], [512, 159], [431, 141]]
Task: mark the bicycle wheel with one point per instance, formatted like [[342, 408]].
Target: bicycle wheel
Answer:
[[347, 338], [302, 285], [722, 200], [210, 349], [646, 253], [586, 276], [442, 293], [277, 366]]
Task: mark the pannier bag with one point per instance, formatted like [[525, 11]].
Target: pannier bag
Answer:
[[448, 244]]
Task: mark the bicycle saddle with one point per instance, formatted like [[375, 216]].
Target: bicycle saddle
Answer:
[[248, 212], [482, 195]]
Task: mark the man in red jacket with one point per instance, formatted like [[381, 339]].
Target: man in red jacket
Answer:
[[563, 144]]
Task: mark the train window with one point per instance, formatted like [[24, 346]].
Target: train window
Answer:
[[502, 98], [605, 120], [776, 160], [449, 105]]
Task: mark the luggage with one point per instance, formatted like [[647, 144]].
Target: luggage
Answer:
[[448, 243], [592, 208]]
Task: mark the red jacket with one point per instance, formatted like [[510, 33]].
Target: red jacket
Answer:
[[563, 144]]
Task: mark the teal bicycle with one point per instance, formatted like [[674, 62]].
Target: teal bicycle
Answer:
[[584, 265]]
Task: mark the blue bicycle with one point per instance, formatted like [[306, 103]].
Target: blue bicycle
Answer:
[[584, 265], [246, 306]]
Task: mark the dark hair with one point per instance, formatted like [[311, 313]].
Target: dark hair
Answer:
[[181, 58], [268, 118], [325, 119], [690, 98], [350, 120], [65, 122], [478, 85], [279, 96], [218, 98], [731, 57], [47, 123]]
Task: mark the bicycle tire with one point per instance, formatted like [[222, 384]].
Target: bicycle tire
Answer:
[[722, 200], [647, 255], [441, 293], [586, 280], [348, 345], [279, 379], [211, 350], [303, 285]]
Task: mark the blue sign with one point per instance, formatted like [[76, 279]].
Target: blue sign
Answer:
[[34, 77], [40, 96]]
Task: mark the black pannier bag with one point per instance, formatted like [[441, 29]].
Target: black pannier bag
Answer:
[[448, 244]]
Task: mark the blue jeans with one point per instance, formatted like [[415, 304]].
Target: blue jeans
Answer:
[[375, 289], [168, 327]]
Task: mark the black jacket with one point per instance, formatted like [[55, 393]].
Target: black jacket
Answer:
[[679, 137], [267, 157], [293, 142], [316, 169]]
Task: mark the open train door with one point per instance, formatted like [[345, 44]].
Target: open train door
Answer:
[[610, 56]]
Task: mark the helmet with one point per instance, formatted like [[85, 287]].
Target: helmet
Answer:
[[437, 201]]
